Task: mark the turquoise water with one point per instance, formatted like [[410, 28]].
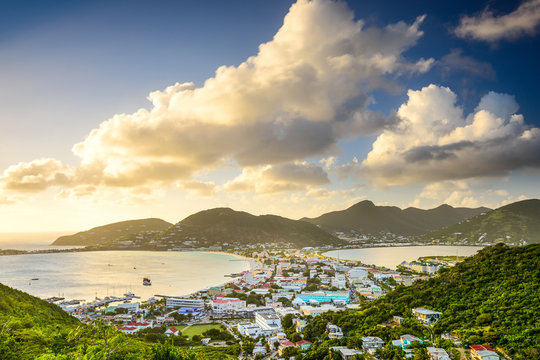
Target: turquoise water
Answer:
[[85, 275], [390, 257]]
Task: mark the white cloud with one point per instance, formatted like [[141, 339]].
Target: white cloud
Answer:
[[525, 20], [435, 142], [305, 90], [280, 178], [462, 193]]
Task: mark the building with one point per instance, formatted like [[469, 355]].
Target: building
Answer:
[[429, 268], [345, 352], [228, 305], [303, 344], [269, 323], [285, 344], [184, 303], [482, 352], [300, 325], [308, 310], [437, 353], [339, 281], [131, 307], [334, 331], [338, 297], [357, 273], [370, 344], [406, 340], [128, 329], [172, 331], [249, 329], [426, 316]]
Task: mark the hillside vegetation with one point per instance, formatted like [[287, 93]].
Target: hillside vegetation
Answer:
[[514, 223], [492, 298], [367, 218], [31, 328], [224, 225], [108, 234]]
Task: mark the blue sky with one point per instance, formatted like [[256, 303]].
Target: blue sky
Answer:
[[69, 66]]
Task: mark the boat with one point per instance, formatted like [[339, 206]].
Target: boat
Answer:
[[147, 282], [35, 279]]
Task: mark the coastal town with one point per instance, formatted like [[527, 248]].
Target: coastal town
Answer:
[[270, 309]]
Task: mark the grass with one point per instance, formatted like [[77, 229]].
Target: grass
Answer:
[[199, 329]]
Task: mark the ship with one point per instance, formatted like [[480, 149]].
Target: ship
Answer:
[[147, 282]]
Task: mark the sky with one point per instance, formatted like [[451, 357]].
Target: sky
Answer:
[[117, 110]]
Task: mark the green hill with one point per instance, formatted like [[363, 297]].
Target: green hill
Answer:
[[492, 298], [367, 218], [109, 234], [223, 225], [512, 224]]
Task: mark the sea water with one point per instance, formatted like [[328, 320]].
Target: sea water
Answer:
[[87, 275]]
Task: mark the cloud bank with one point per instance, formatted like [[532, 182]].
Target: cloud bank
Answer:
[[525, 20], [435, 142], [305, 90]]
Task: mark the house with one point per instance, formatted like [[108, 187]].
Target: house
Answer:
[[249, 329], [228, 305], [426, 316], [172, 331], [334, 331], [205, 341], [398, 320], [482, 352], [370, 344], [303, 344], [345, 352], [285, 344], [268, 322], [437, 353], [406, 340], [128, 329], [300, 325]]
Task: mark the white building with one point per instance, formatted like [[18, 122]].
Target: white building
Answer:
[[339, 281], [269, 323], [228, 305], [334, 331], [131, 307], [249, 329], [437, 353], [426, 316], [184, 303], [357, 273], [370, 344]]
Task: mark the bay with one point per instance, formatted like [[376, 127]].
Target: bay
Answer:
[[391, 256], [86, 275]]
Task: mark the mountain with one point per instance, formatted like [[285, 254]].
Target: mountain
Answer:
[[223, 225], [367, 218], [109, 234], [513, 223], [490, 298]]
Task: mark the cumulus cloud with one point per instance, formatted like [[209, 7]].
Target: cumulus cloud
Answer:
[[278, 178], [35, 176], [525, 20], [435, 142], [461, 193], [456, 61], [200, 188], [303, 92]]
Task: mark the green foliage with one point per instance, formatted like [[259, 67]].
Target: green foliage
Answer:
[[219, 225], [107, 234], [492, 298], [365, 217], [509, 224]]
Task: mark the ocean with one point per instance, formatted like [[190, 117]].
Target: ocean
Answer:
[[87, 275]]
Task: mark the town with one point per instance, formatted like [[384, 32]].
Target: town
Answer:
[[270, 309]]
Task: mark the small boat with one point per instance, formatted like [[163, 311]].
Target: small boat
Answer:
[[147, 282], [35, 279]]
